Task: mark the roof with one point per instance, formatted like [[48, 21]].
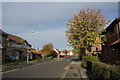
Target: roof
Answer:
[[2, 32], [15, 38], [40, 51], [118, 17], [33, 50], [113, 23], [37, 51], [116, 42]]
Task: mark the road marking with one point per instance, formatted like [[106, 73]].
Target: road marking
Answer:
[[9, 71], [19, 68]]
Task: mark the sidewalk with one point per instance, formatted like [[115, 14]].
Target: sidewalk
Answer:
[[18, 66], [75, 71]]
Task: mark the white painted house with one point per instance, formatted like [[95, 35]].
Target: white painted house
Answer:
[[17, 47]]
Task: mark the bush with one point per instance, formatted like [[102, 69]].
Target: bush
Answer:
[[115, 72], [102, 71], [85, 59], [99, 70]]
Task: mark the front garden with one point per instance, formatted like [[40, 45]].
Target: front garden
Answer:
[[100, 71]]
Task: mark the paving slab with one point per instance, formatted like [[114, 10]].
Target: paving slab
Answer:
[[75, 72]]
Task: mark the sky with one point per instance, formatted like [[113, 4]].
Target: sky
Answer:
[[41, 23]]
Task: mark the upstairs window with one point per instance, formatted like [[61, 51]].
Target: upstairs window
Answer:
[[9, 44]]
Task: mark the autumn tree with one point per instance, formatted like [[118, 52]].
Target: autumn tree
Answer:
[[75, 51], [48, 49], [84, 28]]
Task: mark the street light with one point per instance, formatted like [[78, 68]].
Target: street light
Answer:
[[28, 49]]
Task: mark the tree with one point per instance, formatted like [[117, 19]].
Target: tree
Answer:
[[48, 49], [75, 51], [85, 28]]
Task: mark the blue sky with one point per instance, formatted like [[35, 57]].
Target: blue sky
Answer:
[[48, 20]]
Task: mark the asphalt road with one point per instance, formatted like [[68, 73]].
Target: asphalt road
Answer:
[[50, 69]]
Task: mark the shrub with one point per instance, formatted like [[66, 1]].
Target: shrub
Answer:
[[99, 70], [102, 71], [115, 72], [88, 58]]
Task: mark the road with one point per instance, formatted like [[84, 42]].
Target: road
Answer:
[[50, 69]]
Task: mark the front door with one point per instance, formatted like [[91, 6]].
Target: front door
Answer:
[[17, 55]]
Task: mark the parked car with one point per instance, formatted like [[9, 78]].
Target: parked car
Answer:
[[10, 58], [67, 56]]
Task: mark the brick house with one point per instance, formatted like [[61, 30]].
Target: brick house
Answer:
[[96, 49], [111, 49]]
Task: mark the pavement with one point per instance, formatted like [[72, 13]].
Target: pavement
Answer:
[[74, 71]]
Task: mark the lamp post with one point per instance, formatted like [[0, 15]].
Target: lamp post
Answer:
[[28, 48]]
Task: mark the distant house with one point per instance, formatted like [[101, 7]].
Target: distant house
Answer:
[[62, 53], [56, 53], [96, 49], [36, 53], [111, 49], [70, 53]]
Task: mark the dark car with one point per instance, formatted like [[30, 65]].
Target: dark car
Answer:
[[76, 60], [10, 58]]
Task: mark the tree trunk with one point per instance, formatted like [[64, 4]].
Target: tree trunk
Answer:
[[82, 53]]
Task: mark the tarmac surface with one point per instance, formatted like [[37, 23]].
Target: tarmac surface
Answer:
[[61, 69]]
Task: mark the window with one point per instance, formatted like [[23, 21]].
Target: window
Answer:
[[9, 44]]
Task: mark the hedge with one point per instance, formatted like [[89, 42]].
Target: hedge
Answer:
[[99, 70], [102, 71], [88, 58]]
